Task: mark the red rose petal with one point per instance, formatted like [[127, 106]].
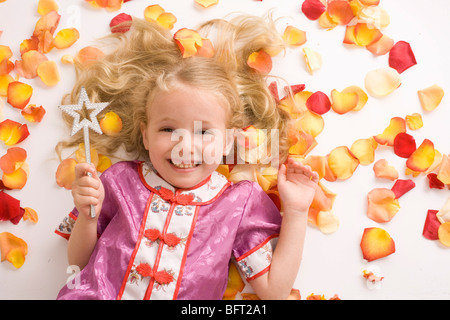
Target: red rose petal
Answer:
[[9, 208], [313, 9], [404, 145], [121, 17], [401, 56], [431, 226], [402, 186], [318, 102], [434, 182]]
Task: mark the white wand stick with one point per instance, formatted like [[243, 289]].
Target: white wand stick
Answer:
[[92, 123]]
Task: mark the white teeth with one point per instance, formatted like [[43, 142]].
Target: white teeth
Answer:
[[184, 166]]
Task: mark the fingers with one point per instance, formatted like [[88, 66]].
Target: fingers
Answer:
[[299, 168], [86, 190]]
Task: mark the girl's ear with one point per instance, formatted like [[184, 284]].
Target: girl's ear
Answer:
[[229, 141], [144, 135]]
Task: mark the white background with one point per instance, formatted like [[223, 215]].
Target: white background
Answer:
[[331, 263]]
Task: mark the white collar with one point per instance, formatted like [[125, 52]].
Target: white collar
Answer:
[[203, 193]]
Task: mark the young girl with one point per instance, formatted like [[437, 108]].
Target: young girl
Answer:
[[166, 227]]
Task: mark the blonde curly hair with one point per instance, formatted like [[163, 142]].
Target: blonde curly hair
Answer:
[[146, 59]]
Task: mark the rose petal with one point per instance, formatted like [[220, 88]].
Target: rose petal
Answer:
[[111, 124], [302, 143], [66, 38], [366, 34], [430, 97], [376, 243], [404, 145], [434, 182], [5, 80], [381, 46], [89, 55], [12, 132], [13, 249], [188, 41], [120, 18], [396, 125], [313, 60], [349, 36], [260, 61], [15, 180], [401, 56], [370, 2], [27, 67], [5, 52], [310, 123], [166, 20], [48, 72], [46, 6], [206, 3], [362, 96], [444, 170], [340, 11], [30, 214], [443, 214], [13, 159], [343, 102], [312, 9], [152, 12], [65, 174], [401, 187], [206, 50], [342, 162], [104, 163], [294, 36], [9, 208], [235, 283], [374, 15], [383, 170], [318, 164], [68, 59], [414, 121], [29, 44], [444, 234], [364, 150], [422, 158], [382, 82], [318, 102], [323, 198], [80, 155], [48, 22], [327, 222], [33, 113], [431, 226], [382, 205]]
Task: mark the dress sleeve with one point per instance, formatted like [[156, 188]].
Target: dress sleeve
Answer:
[[257, 233], [108, 211]]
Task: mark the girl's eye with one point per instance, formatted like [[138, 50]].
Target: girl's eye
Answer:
[[203, 132], [166, 130]]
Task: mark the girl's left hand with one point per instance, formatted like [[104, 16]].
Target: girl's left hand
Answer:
[[297, 185]]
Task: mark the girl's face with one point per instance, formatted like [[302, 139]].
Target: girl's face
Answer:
[[185, 135]]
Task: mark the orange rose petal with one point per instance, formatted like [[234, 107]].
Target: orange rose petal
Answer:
[[362, 96], [6, 66], [235, 283], [30, 214], [48, 72], [318, 164], [27, 67], [396, 126], [166, 20], [33, 113], [376, 243], [366, 34], [326, 22], [382, 204], [15, 180], [81, 157], [13, 159], [5, 80], [294, 36], [48, 22], [422, 158], [152, 12], [188, 41], [65, 174], [67, 59], [313, 60], [206, 3], [343, 102], [383, 170], [46, 6], [111, 124], [414, 121], [303, 144], [114, 5], [382, 82], [104, 163], [260, 61], [66, 38], [364, 150], [370, 2], [310, 123], [12, 132], [444, 170], [29, 44], [13, 249], [206, 50], [381, 46], [323, 199], [299, 103], [327, 222], [444, 233], [349, 36], [340, 11], [89, 55], [430, 97], [342, 162], [5, 52]]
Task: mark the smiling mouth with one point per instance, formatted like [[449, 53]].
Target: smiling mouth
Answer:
[[184, 165]]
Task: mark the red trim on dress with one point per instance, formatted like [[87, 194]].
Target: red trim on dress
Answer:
[[245, 255]]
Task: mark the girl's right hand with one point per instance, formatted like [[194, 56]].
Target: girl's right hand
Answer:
[[86, 190]]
